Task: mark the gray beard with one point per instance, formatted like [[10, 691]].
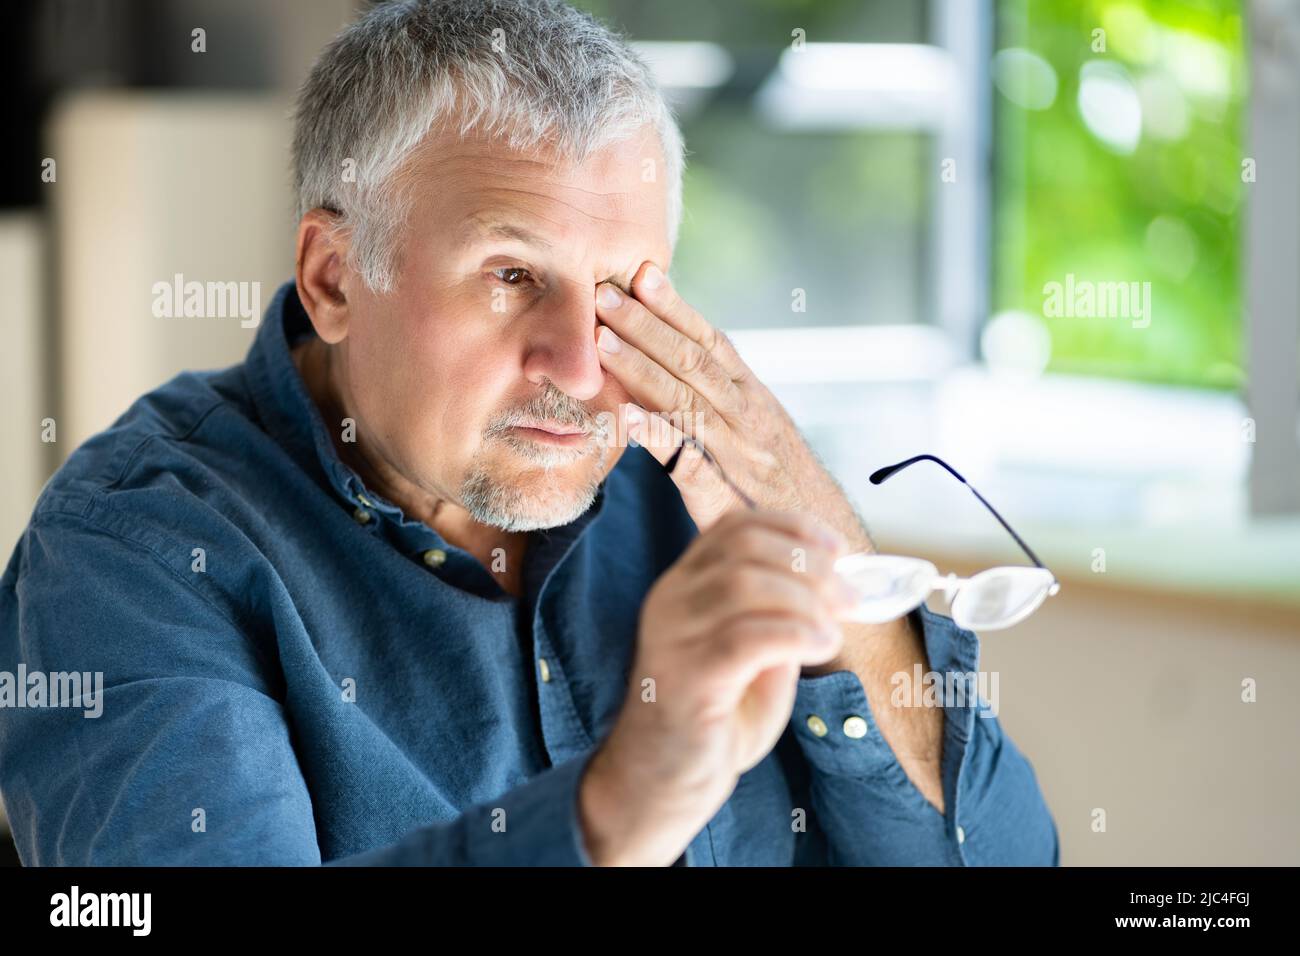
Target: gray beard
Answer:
[[510, 509], [499, 504], [506, 506]]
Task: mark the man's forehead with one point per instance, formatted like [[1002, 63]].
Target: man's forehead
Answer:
[[546, 227], [489, 191], [499, 225], [613, 170], [553, 223]]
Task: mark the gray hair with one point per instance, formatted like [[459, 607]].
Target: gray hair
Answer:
[[534, 73]]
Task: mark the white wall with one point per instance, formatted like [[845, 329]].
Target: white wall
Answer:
[[151, 185]]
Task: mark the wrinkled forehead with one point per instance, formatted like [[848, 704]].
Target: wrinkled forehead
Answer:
[[479, 188]]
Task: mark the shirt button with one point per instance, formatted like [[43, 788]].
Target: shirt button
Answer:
[[362, 516], [435, 557], [545, 670], [961, 835], [855, 727], [817, 725]]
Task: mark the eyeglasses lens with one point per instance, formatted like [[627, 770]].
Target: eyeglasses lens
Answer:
[[1000, 597]]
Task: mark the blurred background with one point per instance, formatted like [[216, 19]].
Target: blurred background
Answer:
[[881, 196]]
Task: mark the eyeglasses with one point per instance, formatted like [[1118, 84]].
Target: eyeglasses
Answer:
[[892, 585]]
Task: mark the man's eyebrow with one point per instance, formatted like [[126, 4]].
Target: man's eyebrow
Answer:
[[481, 227], [500, 229]]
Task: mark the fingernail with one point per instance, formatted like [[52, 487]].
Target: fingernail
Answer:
[[608, 296], [607, 341], [653, 278], [633, 415]]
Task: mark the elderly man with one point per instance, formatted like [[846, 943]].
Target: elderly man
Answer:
[[399, 590]]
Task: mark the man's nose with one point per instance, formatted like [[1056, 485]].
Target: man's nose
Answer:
[[562, 345]]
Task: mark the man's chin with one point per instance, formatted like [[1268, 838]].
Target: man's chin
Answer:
[[532, 496]]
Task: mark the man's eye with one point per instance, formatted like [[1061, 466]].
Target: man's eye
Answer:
[[511, 275]]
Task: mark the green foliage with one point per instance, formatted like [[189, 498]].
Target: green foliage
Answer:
[[1165, 210]]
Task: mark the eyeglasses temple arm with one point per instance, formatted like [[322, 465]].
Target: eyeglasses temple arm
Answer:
[[890, 470], [876, 478], [1010, 530]]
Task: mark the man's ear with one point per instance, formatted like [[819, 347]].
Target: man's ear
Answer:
[[321, 272]]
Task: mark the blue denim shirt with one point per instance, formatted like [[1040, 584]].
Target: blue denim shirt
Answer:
[[295, 672]]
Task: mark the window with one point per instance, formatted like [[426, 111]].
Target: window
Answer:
[[1119, 165], [800, 210]]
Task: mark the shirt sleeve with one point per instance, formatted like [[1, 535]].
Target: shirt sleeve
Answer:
[[186, 756], [870, 811]]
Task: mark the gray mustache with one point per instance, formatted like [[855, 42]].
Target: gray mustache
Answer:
[[552, 405]]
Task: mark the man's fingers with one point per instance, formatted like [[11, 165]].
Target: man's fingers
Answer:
[[778, 566], [681, 356], [655, 433], [652, 287], [808, 560], [796, 525], [649, 384], [706, 494], [745, 647]]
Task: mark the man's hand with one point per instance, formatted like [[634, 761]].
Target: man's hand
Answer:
[[674, 363], [722, 637]]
